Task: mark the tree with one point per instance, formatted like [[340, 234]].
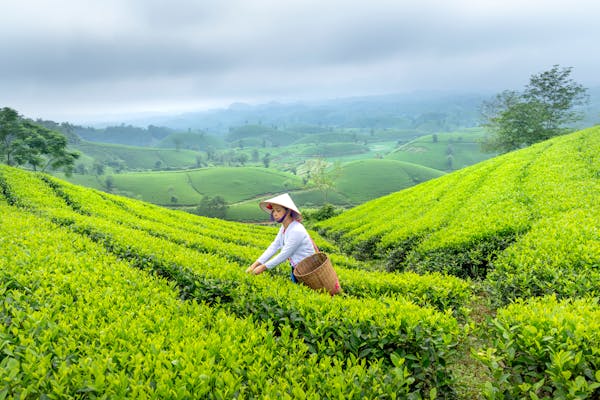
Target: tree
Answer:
[[98, 168], [543, 110], [24, 143], [10, 134], [255, 155], [267, 160], [81, 169], [212, 207], [109, 182], [320, 177]]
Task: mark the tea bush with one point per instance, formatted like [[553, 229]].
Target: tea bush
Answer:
[[544, 348]]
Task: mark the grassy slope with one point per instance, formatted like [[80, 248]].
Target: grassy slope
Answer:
[[464, 147], [138, 157], [359, 181], [526, 213], [178, 188], [365, 180], [237, 184]]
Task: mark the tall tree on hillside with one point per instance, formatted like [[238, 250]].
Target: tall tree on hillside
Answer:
[[10, 134], [321, 176], [543, 110], [24, 143]]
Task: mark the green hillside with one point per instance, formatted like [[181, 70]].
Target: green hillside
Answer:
[[494, 292], [131, 158], [358, 182], [262, 134], [134, 171], [527, 226], [527, 221], [444, 151], [189, 186], [334, 150], [364, 180], [192, 141]]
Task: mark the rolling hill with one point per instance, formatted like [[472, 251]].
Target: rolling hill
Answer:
[[365, 180], [444, 151], [187, 187], [125, 157], [528, 220], [358, 181]]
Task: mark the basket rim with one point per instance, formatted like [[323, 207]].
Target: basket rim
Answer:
[[299, 275]]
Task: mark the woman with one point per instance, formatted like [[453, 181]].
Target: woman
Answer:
[[292, 238]]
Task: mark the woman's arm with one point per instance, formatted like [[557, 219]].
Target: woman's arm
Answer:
[[293, 240], [268, 253]]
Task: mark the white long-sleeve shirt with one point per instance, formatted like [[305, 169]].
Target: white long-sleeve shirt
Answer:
[[294, 242]]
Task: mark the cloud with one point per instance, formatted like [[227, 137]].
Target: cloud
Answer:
[[72, 56]]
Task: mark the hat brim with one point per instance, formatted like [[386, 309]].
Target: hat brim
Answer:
[[283, 200]]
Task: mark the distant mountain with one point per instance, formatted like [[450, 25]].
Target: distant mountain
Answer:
[[429, 111], [425, 112]]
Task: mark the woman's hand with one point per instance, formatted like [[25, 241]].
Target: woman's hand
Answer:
[[260, 269], [253, 267]]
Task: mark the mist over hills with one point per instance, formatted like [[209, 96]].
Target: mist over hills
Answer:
[[432, 111], [447, 110]]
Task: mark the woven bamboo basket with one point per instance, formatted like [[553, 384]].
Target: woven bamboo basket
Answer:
[[316, 272]]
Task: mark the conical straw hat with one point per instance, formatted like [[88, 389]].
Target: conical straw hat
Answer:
[[283, 200]]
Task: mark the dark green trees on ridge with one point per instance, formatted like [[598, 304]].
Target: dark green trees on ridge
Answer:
[[24, 143]]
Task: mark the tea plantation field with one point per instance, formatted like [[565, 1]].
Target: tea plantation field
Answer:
[[491, 292], [526, 225]]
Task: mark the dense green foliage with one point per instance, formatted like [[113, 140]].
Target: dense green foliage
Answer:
[[25, 143], [528, 219], [94, 252], [545, 349], [526, 225], [122, 134], [105, 296]]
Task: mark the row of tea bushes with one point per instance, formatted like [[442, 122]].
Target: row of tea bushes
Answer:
[[561, 252], [559, 255], [390, 333], [78, 322], [505, 214], [544, 348], [443, 292]]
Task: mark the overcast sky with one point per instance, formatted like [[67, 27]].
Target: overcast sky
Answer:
[[79, 60]]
